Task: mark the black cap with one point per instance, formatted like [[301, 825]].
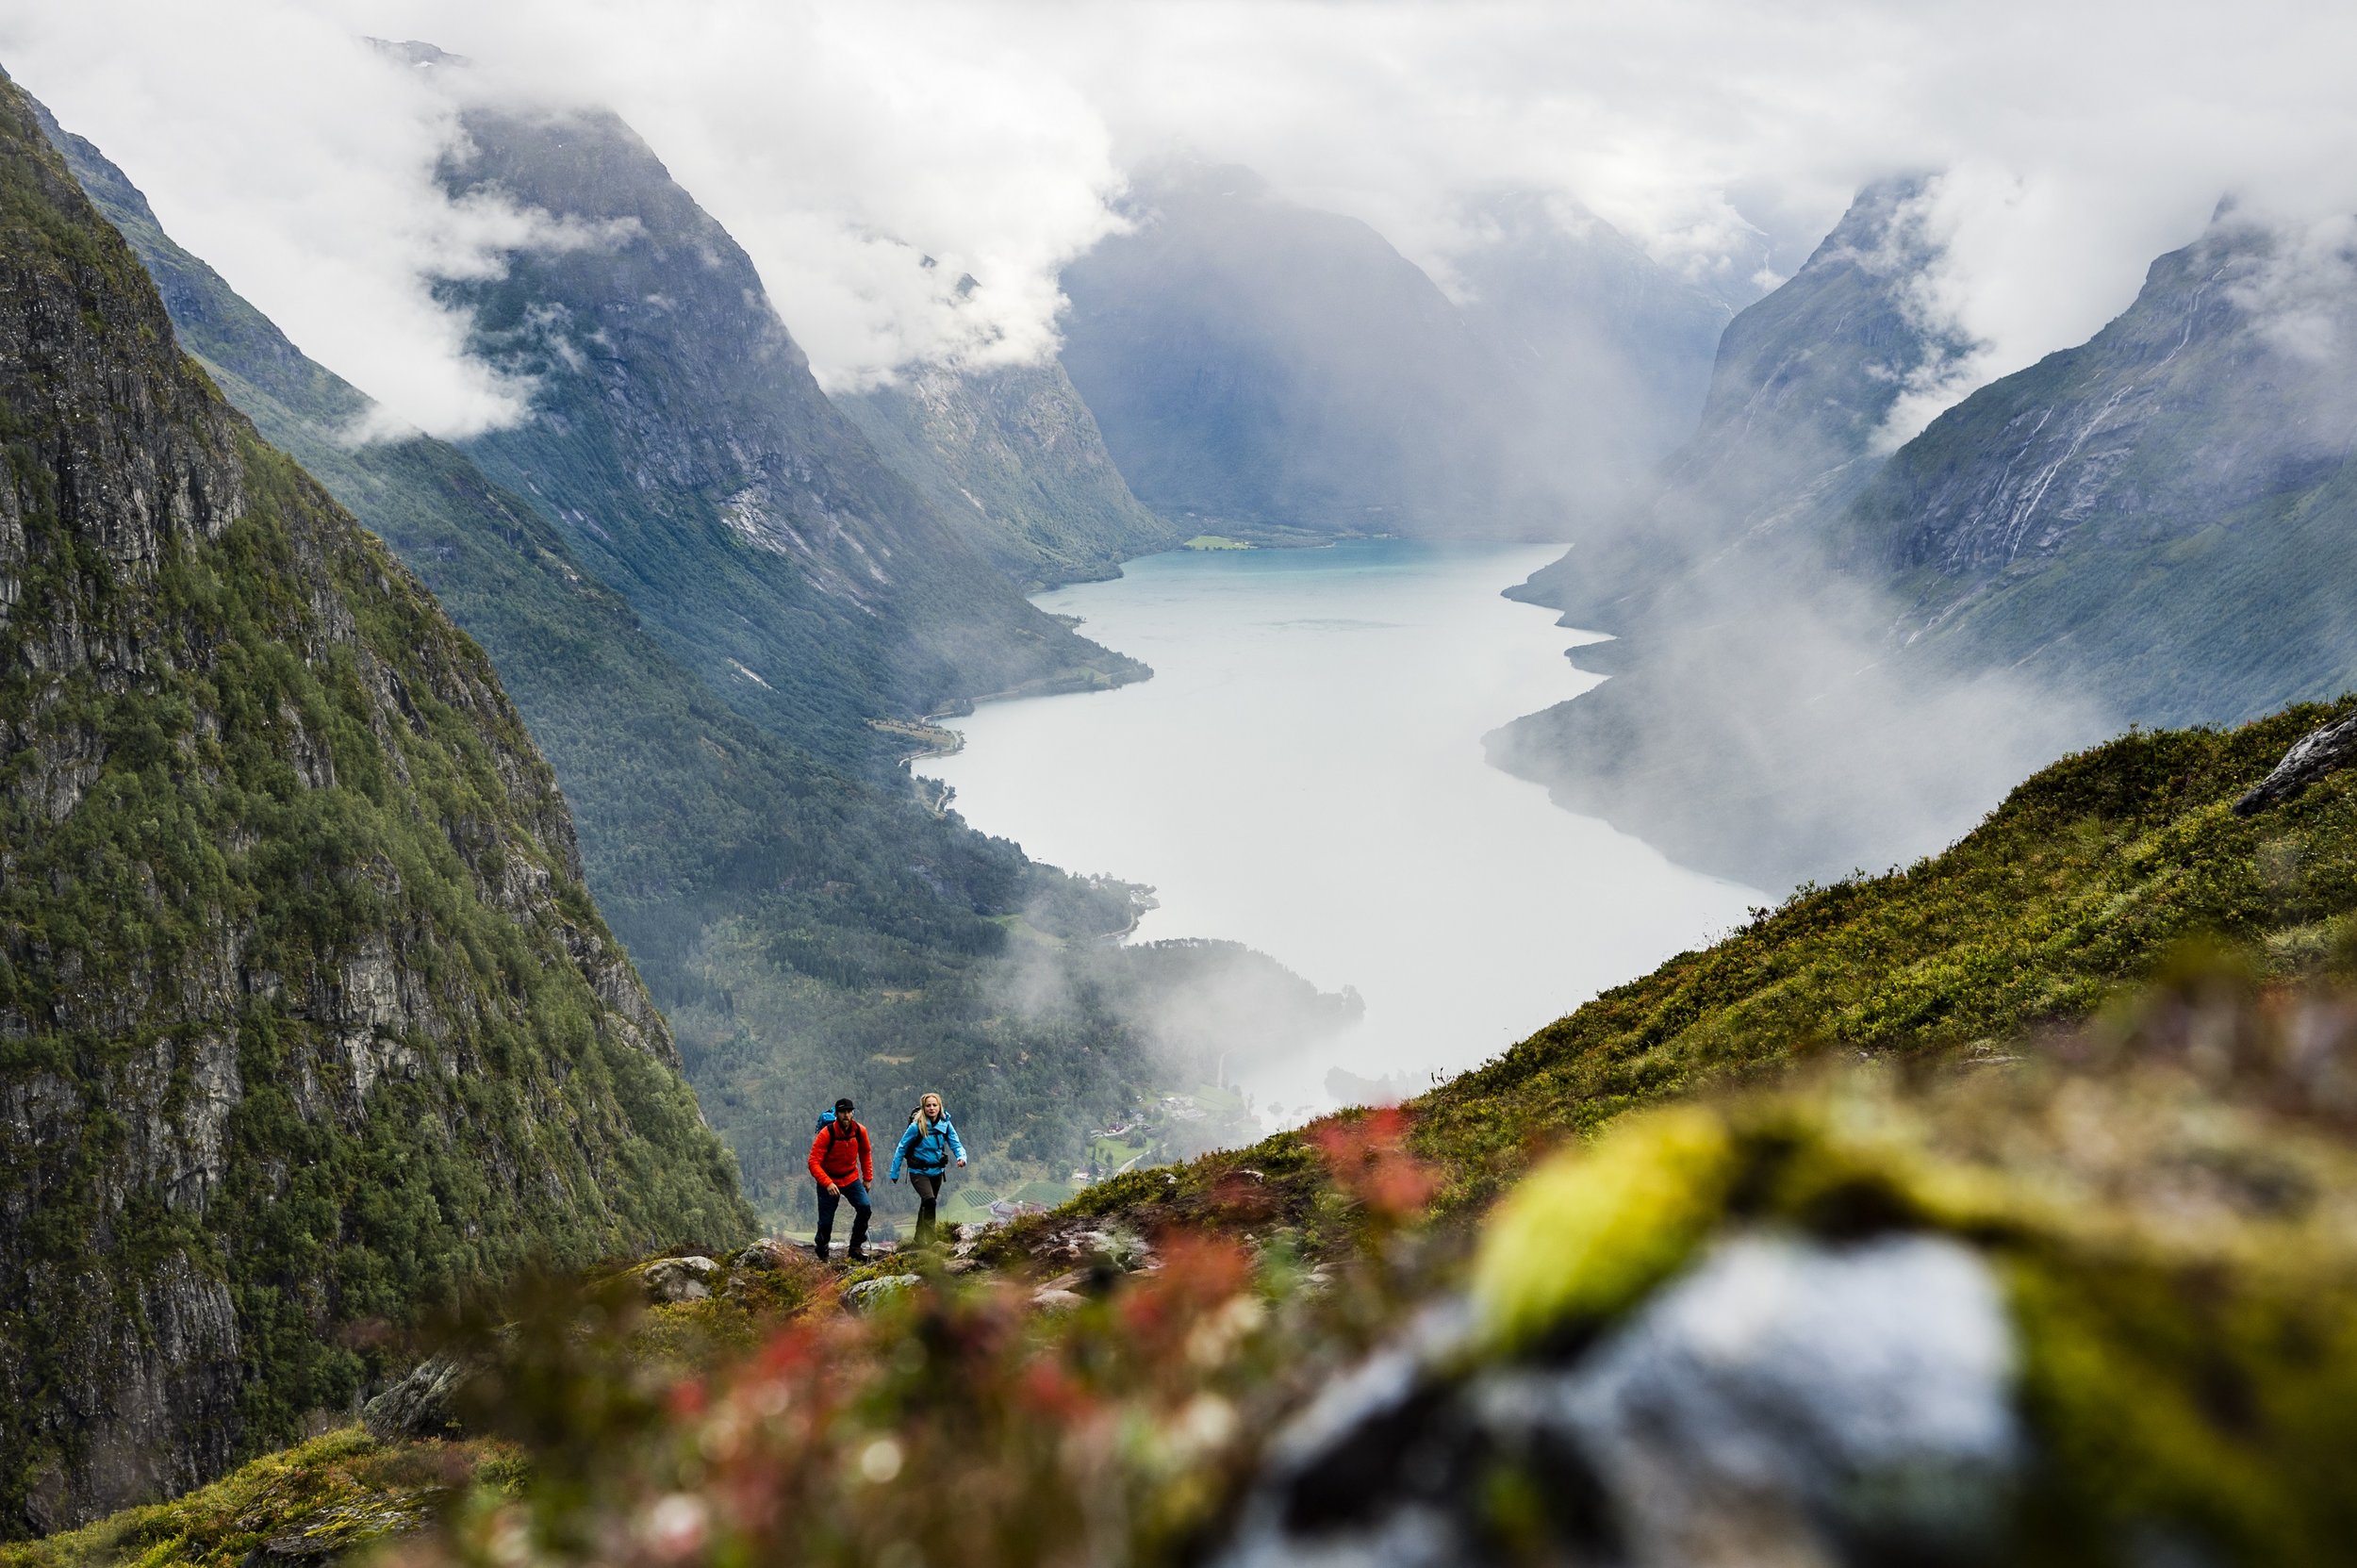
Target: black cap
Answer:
[[845, 1105]]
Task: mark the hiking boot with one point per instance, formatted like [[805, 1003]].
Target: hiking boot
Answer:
[[855, 1257]]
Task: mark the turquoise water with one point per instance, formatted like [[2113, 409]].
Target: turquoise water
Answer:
[[1305, 773]]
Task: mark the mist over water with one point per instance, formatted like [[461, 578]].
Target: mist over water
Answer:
[[1305, 773]]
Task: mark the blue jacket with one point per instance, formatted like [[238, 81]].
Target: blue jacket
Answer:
[[928, 1153]]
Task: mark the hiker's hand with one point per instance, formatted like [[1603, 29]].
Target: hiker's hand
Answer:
[[961, 1164], [833, 1188], [896, 1178]]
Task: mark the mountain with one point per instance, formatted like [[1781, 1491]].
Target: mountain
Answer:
[[678, 437], [1755, 723], [2165, 516], [1263, 368], [798, 924], [2154, 527], [306, 1018], [1804, 382], [1611, 351], [1014, 459]]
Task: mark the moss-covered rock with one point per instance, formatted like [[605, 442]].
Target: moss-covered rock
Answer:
[[2170, 1225], [321, 1500]]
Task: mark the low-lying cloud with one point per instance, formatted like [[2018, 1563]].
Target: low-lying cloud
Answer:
[[876, 155]]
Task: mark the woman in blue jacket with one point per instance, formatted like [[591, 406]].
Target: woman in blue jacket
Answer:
[[928, 1147]]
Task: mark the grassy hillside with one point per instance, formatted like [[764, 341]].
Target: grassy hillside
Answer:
[[2087, 878]]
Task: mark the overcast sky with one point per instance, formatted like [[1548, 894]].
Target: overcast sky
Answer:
[[839, 142]]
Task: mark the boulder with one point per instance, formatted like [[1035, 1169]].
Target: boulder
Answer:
[[423, 1401], [869, 1293], [675, 1280], [1785, 1402]]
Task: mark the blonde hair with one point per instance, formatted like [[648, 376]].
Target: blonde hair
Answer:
[[930, 1097]]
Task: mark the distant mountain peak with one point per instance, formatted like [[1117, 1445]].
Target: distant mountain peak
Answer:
[[415, 52]]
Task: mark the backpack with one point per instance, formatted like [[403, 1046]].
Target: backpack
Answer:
[[824, 1117]]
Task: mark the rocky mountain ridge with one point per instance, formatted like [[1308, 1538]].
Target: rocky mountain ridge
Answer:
[[679, 437], [1802, 383], [1828, 656]]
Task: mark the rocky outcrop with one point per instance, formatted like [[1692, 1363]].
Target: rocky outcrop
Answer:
[[306, 1018], [2327, 749], [677, 1279], [423, 1401]]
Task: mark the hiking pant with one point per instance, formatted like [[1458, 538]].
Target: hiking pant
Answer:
[[861, 1209], [926, 1186]]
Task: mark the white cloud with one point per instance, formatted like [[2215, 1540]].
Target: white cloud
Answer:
[[2300, 288], [841, 141], [274, 144]]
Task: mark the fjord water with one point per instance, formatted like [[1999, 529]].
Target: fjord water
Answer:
[[1305, 773]]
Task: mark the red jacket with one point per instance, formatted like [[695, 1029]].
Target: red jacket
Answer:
[[838, 1157]]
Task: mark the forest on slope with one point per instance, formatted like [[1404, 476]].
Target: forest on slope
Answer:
[[306, 1017]]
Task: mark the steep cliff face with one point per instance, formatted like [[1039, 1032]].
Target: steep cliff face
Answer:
[[1015, 459], [306, 1018], [677, 433], [2122, 513]]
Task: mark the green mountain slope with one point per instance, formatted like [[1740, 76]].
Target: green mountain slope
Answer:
[[808, 933], [2087, 878], [2165, 516], [2115, 868], [306, 1018], [678, 437], [1014, 459], [2093, 1186]]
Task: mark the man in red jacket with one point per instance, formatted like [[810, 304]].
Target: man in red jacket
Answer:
[[843, 1165]]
